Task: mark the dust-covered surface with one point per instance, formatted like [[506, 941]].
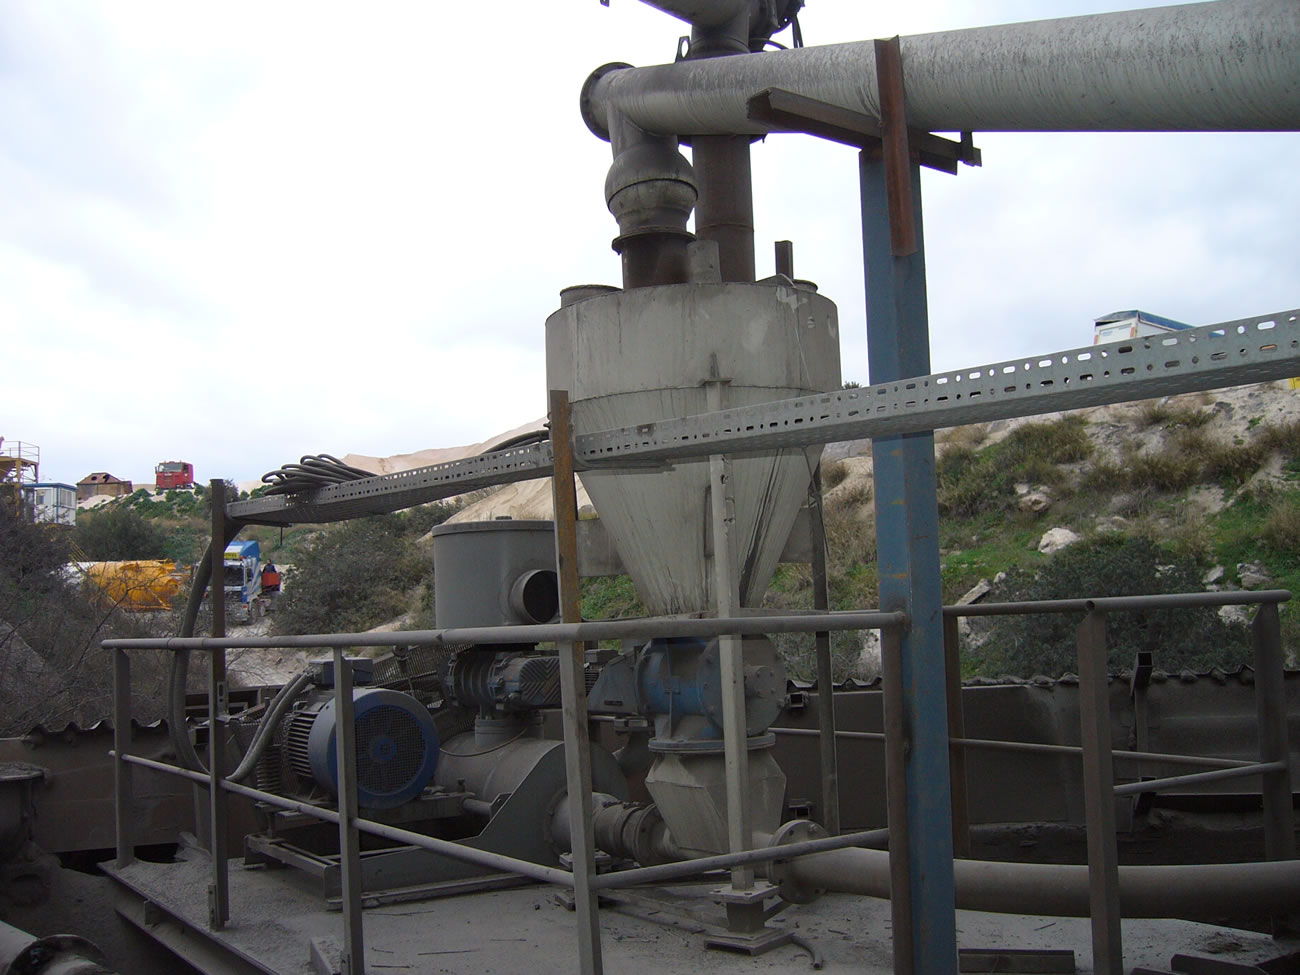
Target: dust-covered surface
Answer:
[[275, 917], [38, 897]]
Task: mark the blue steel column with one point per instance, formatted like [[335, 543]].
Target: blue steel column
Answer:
[[907, 532]]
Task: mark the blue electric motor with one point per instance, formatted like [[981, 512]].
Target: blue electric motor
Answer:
[[397, 746]]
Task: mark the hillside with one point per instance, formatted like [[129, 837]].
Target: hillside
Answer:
[[1189, 492]]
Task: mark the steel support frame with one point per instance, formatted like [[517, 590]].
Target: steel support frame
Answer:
[[1099, 797], [1233, 353], [123, 782], [726, 596], [353, 961], [827, 750], [573, 691], [1270, 708], [218, 800], [924, 916]]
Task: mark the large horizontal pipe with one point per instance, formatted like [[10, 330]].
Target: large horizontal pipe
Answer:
[[1058, 890], [1233, 65]]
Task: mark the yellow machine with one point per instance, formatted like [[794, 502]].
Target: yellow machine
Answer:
[[140, 585]]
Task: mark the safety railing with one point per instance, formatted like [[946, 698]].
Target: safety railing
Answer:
[[351, 824], [1096, 747]]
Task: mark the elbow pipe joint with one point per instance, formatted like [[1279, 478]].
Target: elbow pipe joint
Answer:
[[650, 189]]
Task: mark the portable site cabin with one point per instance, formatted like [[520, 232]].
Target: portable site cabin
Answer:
[[52, 503], [1121, 325]]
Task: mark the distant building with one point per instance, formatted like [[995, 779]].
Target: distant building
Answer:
[[102, 483], [1121, 325], [53, 503]]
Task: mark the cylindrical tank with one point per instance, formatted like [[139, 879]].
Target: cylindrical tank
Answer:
[[495, 573], [636, 356]]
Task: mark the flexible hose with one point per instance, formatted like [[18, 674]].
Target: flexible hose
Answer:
[[311, 472]]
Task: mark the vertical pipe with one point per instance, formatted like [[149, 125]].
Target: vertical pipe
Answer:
[[218, 800], [650, 190], [785, 258], [957, 729], [724, 211], [727, 598], [123, 792], [345, 752], [1270, 708], [1099, 797], [830, 769], [907, 519], [573, 690]]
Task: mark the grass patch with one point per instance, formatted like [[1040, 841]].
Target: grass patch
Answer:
[[1170, 416], [978, 482]]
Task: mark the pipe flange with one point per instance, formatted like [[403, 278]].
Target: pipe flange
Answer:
[[599, 127], [779, 872]]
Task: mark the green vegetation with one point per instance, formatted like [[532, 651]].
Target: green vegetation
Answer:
[[1160, 544], [120, 533], [974, 482], [361, 573], [1106, 565], [51, 668]]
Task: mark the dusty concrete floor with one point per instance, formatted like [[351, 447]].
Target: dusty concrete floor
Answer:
[[275, 917]]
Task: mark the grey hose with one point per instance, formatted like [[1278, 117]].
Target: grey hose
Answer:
[[179, 673]]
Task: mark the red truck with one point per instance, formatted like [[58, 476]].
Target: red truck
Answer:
[[173, 474]]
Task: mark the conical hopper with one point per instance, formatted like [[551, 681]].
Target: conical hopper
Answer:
[[633, 357]]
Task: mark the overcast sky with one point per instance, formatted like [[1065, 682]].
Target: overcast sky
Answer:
[[236, 233]]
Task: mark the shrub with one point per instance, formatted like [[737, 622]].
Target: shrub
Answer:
[[972, 483], [118, 533], [1108, 565], [1282, 524], [355, 576], [834, 474]]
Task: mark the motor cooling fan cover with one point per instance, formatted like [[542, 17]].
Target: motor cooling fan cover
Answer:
[[397, 747]]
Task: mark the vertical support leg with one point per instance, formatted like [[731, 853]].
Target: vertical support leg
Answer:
[[735, 741], [345, 748], [907, 520], [573, 691], [1099, 797], [830, 798], [218, 799], [726, 596], [1270, 707], [957, 729], [123, 792]]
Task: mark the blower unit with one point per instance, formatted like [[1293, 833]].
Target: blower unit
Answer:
[[397, 746]]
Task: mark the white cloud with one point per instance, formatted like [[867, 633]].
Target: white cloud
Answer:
[[238, 234]]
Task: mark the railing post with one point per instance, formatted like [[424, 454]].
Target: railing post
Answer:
[[345, 746], [1270, 707], [573, 691], [896, 804], [830, 798], [123, 785], [1099, 796], [956, 729], [218, 800]]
